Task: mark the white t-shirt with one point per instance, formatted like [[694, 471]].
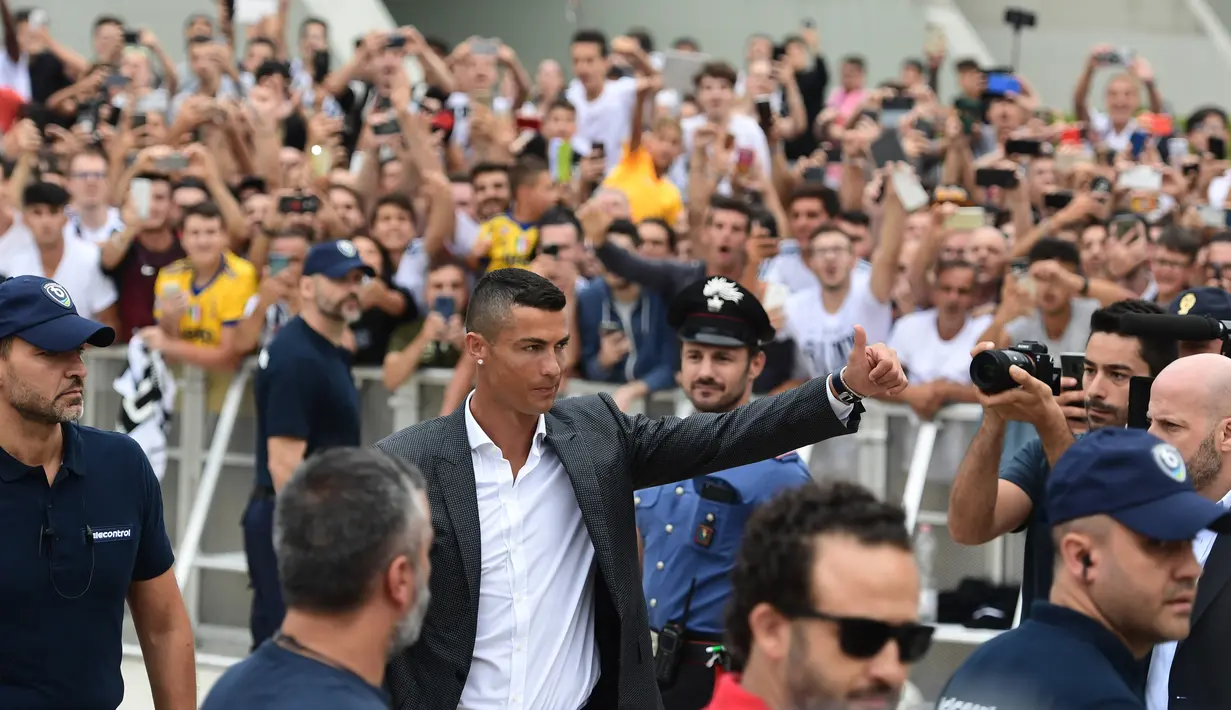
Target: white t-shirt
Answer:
[[748, 135], [926, 357], [74, 229], [459, 103], [15, 75], [823, 340], [411, 273], [607, 119], [1117, 141], [15, 240], [80, 272], [789, 268]]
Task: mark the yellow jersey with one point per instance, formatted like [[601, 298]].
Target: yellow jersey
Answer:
[[220, 303], [649, 196], [512, 242]]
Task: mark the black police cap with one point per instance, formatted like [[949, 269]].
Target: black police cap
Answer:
[[718, 311]]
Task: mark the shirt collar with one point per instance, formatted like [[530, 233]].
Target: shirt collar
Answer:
[[730, 695], [11, 469], [477, 437], [1074, 623]]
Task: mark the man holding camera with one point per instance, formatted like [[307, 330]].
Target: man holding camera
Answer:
[[1190, 408], [983, 507]]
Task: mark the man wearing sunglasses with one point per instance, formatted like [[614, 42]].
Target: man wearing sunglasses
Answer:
[[825, 604], [1124, 515]]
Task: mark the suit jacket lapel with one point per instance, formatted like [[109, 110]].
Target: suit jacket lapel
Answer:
[[570, 449], [1214, 577], [454, 471]]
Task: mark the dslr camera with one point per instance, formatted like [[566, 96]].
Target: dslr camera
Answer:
[[989, 370]]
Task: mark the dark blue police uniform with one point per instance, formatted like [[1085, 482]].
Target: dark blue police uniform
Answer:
[[304, 391], [70, 548], [1060, 658], [273, 678], [692, 529]]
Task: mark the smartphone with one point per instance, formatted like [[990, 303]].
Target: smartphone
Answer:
[[966, 219], [388, 128], [138, 120], [814, 175], [445, 306], [172, 163], [996, 177], [37, 19], [485, 47], [1023, 146], [116, 81], [833, 152], [321, 160], [1217, 148], [765, 113], [598, 150], [1139, 402], [1057, 200], [1100, 185], [395, 42], [610, 326], [529, 123], [139, 193], [278, 263], [910, 193], [1123, 227], [898, 102], [999, 84], [132, 36], [1020, 267], [298, 204], [1212, 216], [1071, 136], [1140, 177], [1137, 143], [779, 52], [1123, 56], [743, 159], [1073, 365]]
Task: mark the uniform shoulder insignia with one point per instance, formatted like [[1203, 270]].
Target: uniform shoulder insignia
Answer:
[[788, 456]]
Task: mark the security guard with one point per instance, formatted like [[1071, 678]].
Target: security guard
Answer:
[[81, 525], [1207, 301], [306, 401], [692, 529], [1124, 515]]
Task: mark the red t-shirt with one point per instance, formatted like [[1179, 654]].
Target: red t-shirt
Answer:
[[134, 280], [730, 695]]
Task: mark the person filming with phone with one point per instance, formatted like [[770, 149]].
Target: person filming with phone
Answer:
[[993, 496]]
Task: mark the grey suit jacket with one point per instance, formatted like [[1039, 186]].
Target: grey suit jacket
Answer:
[[606, 455]]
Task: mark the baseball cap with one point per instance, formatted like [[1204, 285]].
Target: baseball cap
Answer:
[[1202, 301], [40, 312], [334, 260], [1135, 478]]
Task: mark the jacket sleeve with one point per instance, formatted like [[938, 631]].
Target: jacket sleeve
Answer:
[[671, 449], [661, 276], [589, 315]]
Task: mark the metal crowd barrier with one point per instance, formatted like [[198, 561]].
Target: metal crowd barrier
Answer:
[[200, 456]]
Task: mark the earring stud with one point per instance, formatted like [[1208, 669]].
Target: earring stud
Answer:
[[480, 361]]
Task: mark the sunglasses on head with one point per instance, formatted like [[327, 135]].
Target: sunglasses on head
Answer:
[[864, 638]]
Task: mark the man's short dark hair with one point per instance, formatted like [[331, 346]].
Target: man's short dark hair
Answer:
[[1156, 352], [309, 21], [155, 177], [591, 37], [562, 104], [342, 518], [558, 216], [966, 65], [720, 203], [44, 193], [913, 64], [856, 61], [485, 168], [1202, 114], [204, 210], [265, 41], [643, 37], [685, 42], [1180, 241], [1051, 248], [779, 548], [525, 171], [396, 199], [716, 70], [189, 182], [106, 20], [816, 191], [951, 264], [671, 235], [855, 217], [499, 291]]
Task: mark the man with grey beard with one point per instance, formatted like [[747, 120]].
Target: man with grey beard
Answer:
[[1190, 408], [352, 532]]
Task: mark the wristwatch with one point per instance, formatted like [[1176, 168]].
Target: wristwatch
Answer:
[[844, 394]]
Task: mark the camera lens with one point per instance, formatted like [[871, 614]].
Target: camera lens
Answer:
[[989, 370]]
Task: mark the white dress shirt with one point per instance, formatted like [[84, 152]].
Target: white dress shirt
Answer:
[[1157, 686], [535, 645]]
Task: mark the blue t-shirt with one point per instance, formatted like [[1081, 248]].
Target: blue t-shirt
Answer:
[[1059, 659], [1028, 470], [304, 390], [274, 678]]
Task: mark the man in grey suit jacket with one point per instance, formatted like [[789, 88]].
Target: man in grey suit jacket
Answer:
[[536, 600]]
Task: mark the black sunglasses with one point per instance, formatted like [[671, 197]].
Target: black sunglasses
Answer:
[[864, 638]]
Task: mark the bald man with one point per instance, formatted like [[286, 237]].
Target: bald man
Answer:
[[1190, 408]]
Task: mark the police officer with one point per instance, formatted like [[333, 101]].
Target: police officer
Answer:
[[1124, 514], [1203, 301], [81, 525], [692, 529], [306, 401]]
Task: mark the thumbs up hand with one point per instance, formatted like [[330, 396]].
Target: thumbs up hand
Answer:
[[873, 370]]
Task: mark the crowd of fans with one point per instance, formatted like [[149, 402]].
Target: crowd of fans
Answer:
[[177, 201]]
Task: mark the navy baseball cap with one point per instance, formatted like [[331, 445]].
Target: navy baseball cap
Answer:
[[1135, 478], [1202, 301], [40, 312], [334, 260]]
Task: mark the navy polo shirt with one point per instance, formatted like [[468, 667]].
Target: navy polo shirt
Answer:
[[274, 678], [1028, 470], [305, 391], [1058, 659], [69, 552]]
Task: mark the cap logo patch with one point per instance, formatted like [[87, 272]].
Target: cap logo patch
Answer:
[[1169, 460], [347, 249], [57, 294], [1186, 304], [719, 291]]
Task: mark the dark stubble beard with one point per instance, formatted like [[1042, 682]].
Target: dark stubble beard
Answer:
[[35, 408], [1205, 464]]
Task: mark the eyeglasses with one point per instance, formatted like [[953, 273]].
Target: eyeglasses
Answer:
[[864, 638], [83, 175]]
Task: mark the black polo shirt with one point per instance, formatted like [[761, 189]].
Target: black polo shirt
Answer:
[[304, 390], [1058, 659], [68, 553]]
